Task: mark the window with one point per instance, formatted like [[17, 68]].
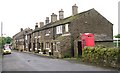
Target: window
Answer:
[[59, 29], [47, 45], [47, 32], [66, 28], [35, 37], [26, 37], [57, 46], [39, 36]]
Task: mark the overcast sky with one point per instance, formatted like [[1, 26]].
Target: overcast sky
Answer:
[[16, 14]]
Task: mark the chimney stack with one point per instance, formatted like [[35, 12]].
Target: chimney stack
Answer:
[[21, 29], [36, 26], [47, 20], [74, 9], [41, 24], [61, 14], [53, 17]]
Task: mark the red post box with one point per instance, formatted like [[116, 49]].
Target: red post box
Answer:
[[87, 40]]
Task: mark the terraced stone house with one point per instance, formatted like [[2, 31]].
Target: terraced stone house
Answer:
[[62, 37], [20, 40]]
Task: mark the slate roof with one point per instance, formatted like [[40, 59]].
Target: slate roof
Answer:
[[63, 21], [21, 33]]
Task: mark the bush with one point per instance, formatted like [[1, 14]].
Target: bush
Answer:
[[102, 56]]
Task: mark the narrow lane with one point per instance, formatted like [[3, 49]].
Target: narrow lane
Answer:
[[14, 62], [18, 61]]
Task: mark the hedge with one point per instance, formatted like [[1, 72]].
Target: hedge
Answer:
[[102, 56]]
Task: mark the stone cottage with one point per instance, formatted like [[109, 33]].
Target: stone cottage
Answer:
[[20, 40], [62, 37]]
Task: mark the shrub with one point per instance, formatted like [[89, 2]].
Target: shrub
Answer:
[[101, 55]]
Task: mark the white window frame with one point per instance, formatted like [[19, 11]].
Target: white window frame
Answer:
[[59, 29], [47, 33], [57, 47], [47, 45], [66, 28], [26, 37], [39, 36], [35, 37]]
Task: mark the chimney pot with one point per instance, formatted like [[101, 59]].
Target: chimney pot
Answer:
[[36, 26], [53, 17], [47, 20], [61, 14], [21, 29], [41, 24], [74, 9]]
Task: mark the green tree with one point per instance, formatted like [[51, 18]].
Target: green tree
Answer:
[[117, 36], [2, 41], [8, 40], [5, 40]]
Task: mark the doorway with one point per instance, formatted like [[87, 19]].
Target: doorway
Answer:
[[34, 47], [51, 48], [79, 49], [29, 47], [42, 47]]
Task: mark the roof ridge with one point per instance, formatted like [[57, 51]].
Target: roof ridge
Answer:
[[65, 20]]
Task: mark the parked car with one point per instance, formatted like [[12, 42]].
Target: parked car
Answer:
[[6, 50]]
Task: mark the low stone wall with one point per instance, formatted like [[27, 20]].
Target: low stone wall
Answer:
[[105, 43]]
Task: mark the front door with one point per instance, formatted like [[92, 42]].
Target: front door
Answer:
[[51, 48], [42, 47], [79, 49]]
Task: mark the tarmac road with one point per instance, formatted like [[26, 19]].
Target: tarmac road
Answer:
[[19, 61]]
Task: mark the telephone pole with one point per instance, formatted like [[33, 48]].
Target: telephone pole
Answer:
[[1, 35], [1, 29]]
